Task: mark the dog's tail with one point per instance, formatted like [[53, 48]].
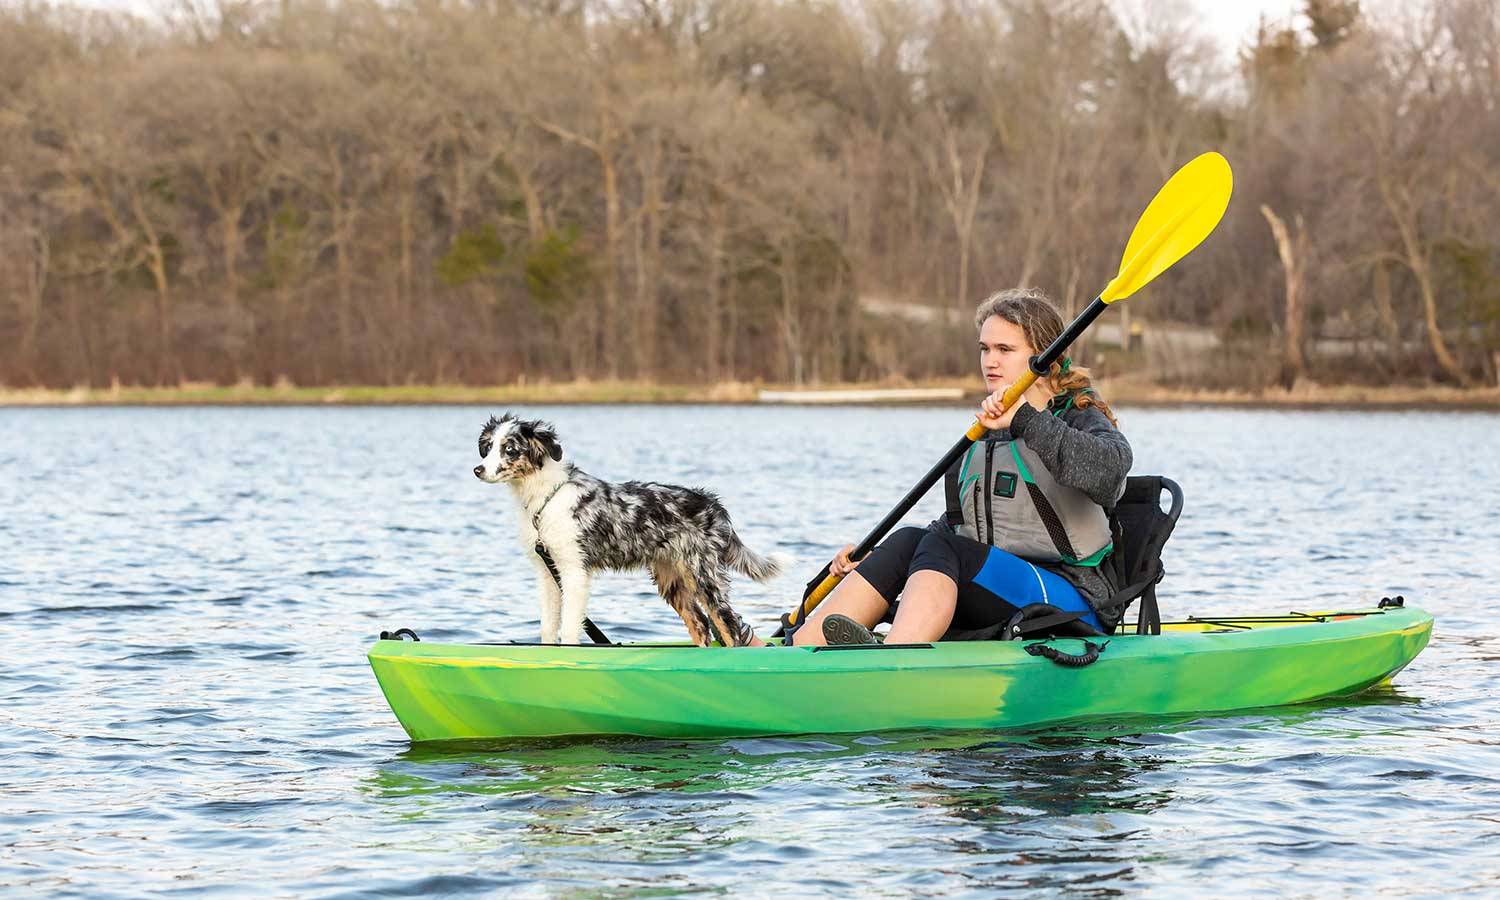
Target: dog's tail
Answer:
[[759, 568]]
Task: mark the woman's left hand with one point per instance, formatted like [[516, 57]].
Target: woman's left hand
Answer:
[[992, 412]]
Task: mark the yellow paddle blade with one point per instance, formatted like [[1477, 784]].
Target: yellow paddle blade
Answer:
[[1180, 216]]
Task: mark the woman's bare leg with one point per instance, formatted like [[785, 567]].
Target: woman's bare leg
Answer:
[[855, 598], [926, 609]]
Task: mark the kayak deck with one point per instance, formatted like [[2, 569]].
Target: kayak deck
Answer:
[[468, 691]]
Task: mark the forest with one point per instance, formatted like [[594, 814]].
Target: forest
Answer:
[[700, 191]]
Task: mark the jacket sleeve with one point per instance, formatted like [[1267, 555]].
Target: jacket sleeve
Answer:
[[940, 525], [1084, 451]]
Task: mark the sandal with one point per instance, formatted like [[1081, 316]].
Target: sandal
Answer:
[[840, 629]]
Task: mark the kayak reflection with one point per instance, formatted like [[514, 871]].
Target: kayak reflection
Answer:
[[1060, 807]]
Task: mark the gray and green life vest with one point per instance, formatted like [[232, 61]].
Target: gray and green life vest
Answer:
[[1002, 495]]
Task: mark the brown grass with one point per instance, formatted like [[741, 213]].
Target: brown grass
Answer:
[[1124, 391]]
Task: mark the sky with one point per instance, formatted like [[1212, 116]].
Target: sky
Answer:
[[1231, 21]]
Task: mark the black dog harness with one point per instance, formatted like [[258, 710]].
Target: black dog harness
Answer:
[[540, 548], [593, 631]]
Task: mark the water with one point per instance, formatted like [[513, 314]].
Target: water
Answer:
[[186, 596]]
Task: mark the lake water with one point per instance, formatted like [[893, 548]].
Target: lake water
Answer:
[[187, 595]]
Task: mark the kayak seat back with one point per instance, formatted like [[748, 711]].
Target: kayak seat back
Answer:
[[1141, 528]]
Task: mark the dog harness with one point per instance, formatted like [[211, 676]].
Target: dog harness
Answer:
[[540, 548], [593, 631]]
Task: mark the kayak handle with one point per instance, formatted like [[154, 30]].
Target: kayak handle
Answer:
[[397, 635], [1071, 660]]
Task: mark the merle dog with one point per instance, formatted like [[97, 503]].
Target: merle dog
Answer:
[[573, 524]]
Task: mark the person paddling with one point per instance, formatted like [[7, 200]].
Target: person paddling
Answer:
[[1027, 517]]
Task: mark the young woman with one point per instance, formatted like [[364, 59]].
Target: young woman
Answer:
[[1026, 520]]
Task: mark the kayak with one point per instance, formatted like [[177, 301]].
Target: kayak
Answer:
[[1201, 665]]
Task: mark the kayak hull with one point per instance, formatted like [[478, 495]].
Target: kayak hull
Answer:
[[456, 692]]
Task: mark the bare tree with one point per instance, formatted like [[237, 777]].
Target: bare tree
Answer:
[[1292, 248]]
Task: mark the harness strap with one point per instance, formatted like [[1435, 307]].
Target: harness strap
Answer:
[[540, 548], [989, 508], [1033, 618], [1015, 629], [1052, 521], [536, 520], [595, 633], [952, 483]]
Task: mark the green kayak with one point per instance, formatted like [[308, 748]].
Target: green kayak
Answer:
[[452, 691]]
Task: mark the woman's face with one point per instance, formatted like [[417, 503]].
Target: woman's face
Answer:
[[1004, 354]]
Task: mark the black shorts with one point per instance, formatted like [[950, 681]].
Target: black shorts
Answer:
[[992, 584]]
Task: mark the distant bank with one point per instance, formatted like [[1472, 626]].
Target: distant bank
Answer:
[[943, 393]]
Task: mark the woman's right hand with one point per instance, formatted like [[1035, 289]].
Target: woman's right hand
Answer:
[[994, 414], [841, 565]]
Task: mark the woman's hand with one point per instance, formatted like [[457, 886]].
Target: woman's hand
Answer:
[[841, 565], [992, 412]]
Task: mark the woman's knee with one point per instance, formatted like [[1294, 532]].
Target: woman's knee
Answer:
[[905, 540], [886, 566], [935, 553]]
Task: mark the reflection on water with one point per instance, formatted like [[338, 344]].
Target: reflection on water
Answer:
[[559, 770], [185, 704], [1056, 808], [639, 803]]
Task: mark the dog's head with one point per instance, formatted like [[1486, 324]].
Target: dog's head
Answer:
[[514, 448]]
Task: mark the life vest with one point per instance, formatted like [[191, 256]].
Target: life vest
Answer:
[[1001, 494]]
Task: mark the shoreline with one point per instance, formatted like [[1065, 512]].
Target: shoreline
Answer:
[[1121, 392]]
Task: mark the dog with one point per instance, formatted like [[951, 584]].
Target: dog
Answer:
[[573, 524]]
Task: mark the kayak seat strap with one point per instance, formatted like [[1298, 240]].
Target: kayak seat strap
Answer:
[[1034, 619], [1141, 529]]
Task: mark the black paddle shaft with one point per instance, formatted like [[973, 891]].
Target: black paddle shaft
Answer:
[[1039, 365], [902, 508]]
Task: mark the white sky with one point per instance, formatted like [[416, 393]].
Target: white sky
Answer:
[[1230, 22]]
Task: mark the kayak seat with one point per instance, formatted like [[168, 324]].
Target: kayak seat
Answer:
[[1141, 528]]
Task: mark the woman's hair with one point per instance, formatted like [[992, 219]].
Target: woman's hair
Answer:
[[1031, 311]]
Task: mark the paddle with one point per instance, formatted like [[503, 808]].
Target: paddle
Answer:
[[1179, 217]]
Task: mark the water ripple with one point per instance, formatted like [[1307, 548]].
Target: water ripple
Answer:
[[185, 708]]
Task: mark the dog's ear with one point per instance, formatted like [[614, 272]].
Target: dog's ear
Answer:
[[542, 437], [548, 439]]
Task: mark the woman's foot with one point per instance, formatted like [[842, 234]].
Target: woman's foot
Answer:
[[838, 629]]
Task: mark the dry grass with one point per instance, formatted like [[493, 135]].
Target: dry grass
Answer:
[[1306, 394], [192, 394], [1123, 391]]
